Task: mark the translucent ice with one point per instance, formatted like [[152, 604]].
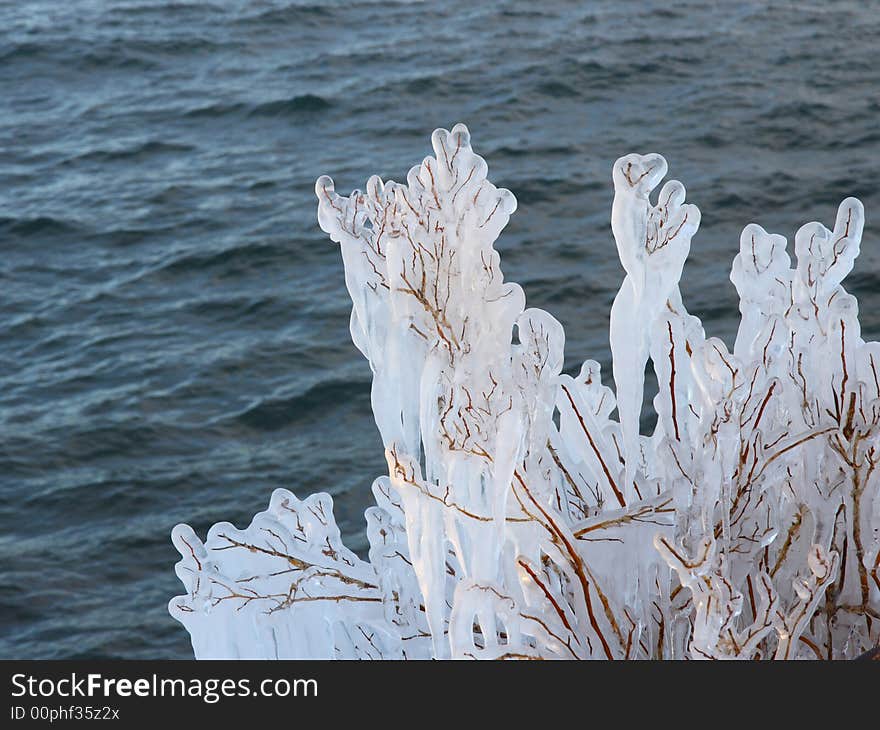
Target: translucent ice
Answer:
[[523, 514]]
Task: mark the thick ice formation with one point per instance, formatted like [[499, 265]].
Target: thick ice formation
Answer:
[[518, 519]]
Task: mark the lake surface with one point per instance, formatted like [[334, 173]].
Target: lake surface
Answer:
[[174, 326]]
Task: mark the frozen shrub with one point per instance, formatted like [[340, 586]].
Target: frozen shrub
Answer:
[[520, 518]]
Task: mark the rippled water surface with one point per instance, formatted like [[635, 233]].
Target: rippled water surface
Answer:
[[174, 326]]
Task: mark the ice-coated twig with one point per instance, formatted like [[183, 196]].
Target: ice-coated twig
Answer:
[[524, 515]]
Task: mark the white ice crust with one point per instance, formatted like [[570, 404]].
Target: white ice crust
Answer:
[[523, 514]]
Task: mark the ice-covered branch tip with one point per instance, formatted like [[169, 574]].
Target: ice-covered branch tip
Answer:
[[519, 518]]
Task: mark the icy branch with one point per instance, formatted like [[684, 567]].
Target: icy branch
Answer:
[[524, 515]]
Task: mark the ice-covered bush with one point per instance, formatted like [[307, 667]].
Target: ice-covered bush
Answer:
[[524, 515]]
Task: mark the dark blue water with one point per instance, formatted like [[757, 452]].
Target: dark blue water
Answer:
[[173, 325]]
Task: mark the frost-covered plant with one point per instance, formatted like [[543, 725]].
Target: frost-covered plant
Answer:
[[519, 519]]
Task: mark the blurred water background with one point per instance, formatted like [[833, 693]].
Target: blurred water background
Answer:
[[174, 326]]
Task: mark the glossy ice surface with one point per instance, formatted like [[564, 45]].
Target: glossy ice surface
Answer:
[[522, 515]]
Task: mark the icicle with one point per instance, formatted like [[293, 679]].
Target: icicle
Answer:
[[518, 518]]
